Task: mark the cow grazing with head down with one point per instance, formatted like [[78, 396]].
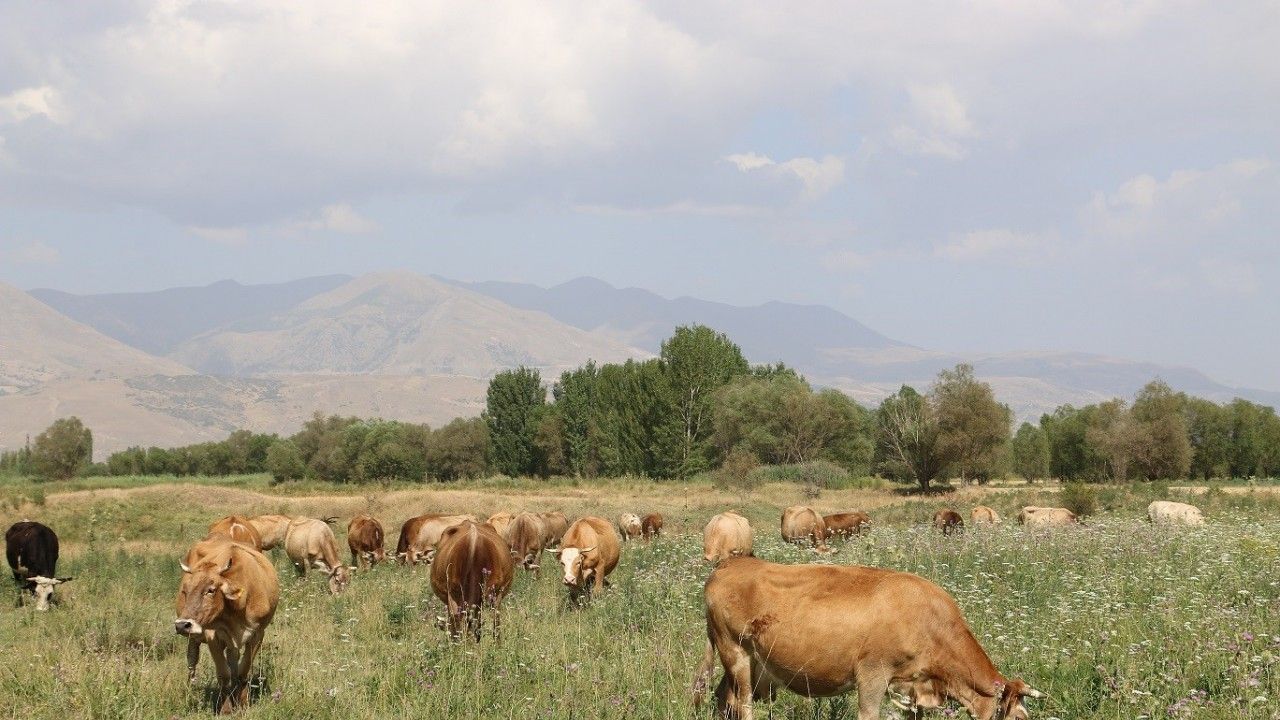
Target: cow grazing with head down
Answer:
[[554, 524], [310, 543], [472, 569], [1046, 517], [801, 526], [948, 521], [227, 598], [823, 630], [499, 521], [422, 547], [651, 526], [366, 541], [526, 537], [629, 526], [588, 553], [237, 528], [409, 531], [846, 524], [32, 551], [726, 535], [1166, 512], [983, 515]]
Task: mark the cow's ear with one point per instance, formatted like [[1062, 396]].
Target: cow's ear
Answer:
[[589, 549], [230, 559], [232, 593], [64, 579]]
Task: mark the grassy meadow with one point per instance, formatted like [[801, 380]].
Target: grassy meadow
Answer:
[[1116, 619]]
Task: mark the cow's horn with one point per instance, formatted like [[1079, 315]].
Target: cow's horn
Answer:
[[184, 567], [1031, 692], [65, 579], [40, 579]]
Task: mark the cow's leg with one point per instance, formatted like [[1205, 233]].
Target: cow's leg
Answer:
[[737, 664], [245, 666], [455, 620], [217, 650], [300, 569], [873, 683], [193, 658], [475, 624]]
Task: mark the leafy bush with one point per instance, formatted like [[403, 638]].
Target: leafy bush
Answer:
[[738, 471], [1080, 498]]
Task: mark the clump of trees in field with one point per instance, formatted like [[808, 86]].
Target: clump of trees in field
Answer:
[[699, 407]]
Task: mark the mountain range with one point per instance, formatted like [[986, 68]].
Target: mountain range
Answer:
[[189, 364]]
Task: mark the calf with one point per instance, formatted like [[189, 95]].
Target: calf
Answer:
[[823, 630], [310, 543], [365, 540], [32, 551], [651, 526], [726, 535], [948, 521], [588, 553], [227, 599], [472, 569], [629, 525]]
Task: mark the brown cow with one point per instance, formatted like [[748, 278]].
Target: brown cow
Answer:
[[499, 521], [823, 630], [726, 535], [472, 569], [227, 599], [365, 539], [846, 524], [1044, 516], [310, 544], [983, 515], [588, 553], [239, 529], [651, 526], [555, 524], [409, 531], [800, 525], [526, 537], [629, 526], [948, 521]]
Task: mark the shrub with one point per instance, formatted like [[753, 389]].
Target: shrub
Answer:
[[738, 472], [1079, 498]]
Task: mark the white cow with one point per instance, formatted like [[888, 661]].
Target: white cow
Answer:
[[1165, 512]]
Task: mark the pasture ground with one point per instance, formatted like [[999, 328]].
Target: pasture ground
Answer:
[[1117, 619]]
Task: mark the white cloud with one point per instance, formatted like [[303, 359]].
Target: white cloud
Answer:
[[1188, 205], [1230, 276], [940, 123], [340, 218], [233, 235], [32, 253], [1001, 243], [29, 102], [817, 176], [845, 261]]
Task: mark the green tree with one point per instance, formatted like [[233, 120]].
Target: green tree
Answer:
[[512, 407], [132, 461], [549, 442], [907, 438], [1029, 452], [1209, 432], [698, 361], [580, 412], [1164, 446], [284, 461], [459, 450], [972, 426], [62, 450]]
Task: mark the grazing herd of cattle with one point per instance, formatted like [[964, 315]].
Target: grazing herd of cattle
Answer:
[[886, 632]]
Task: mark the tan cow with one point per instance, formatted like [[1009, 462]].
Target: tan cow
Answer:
[[499, 521], [948, 521], [726, 535], [1167, 512], [365, 539], [408, 531], [846, 524], [227, 599], [983, 515], [1046, 517], [801, 525], [237, 528], [423, 545], [588, 553], [651, 526], [271, 529], [629, 526], [823, 630], [310, 543], [472, 569], [555, 524], [526, 537]]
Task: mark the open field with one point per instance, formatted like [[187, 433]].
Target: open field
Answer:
[[1117, 619]]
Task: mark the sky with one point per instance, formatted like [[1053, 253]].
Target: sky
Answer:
[[984, 176]]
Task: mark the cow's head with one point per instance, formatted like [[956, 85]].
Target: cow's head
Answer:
[[1011, 696], [203, 595], [579, 565], [43, 589], [340, 578], [529, 561]]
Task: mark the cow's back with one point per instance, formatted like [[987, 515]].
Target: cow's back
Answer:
[[471, 562], [555, 524], [32, 546], [726, 535], [364, 532], [239, 529], [847, 523], [801, 523]]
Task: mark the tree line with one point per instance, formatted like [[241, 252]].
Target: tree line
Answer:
[[700, 406]]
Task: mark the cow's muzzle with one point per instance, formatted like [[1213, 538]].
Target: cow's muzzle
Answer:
[[183, 626]]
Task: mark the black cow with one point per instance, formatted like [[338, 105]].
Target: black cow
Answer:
[[32, 552]]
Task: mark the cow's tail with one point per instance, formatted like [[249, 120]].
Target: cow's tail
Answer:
[[702, 676]]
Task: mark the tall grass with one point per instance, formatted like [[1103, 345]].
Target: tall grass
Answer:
[[1116, 619]]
